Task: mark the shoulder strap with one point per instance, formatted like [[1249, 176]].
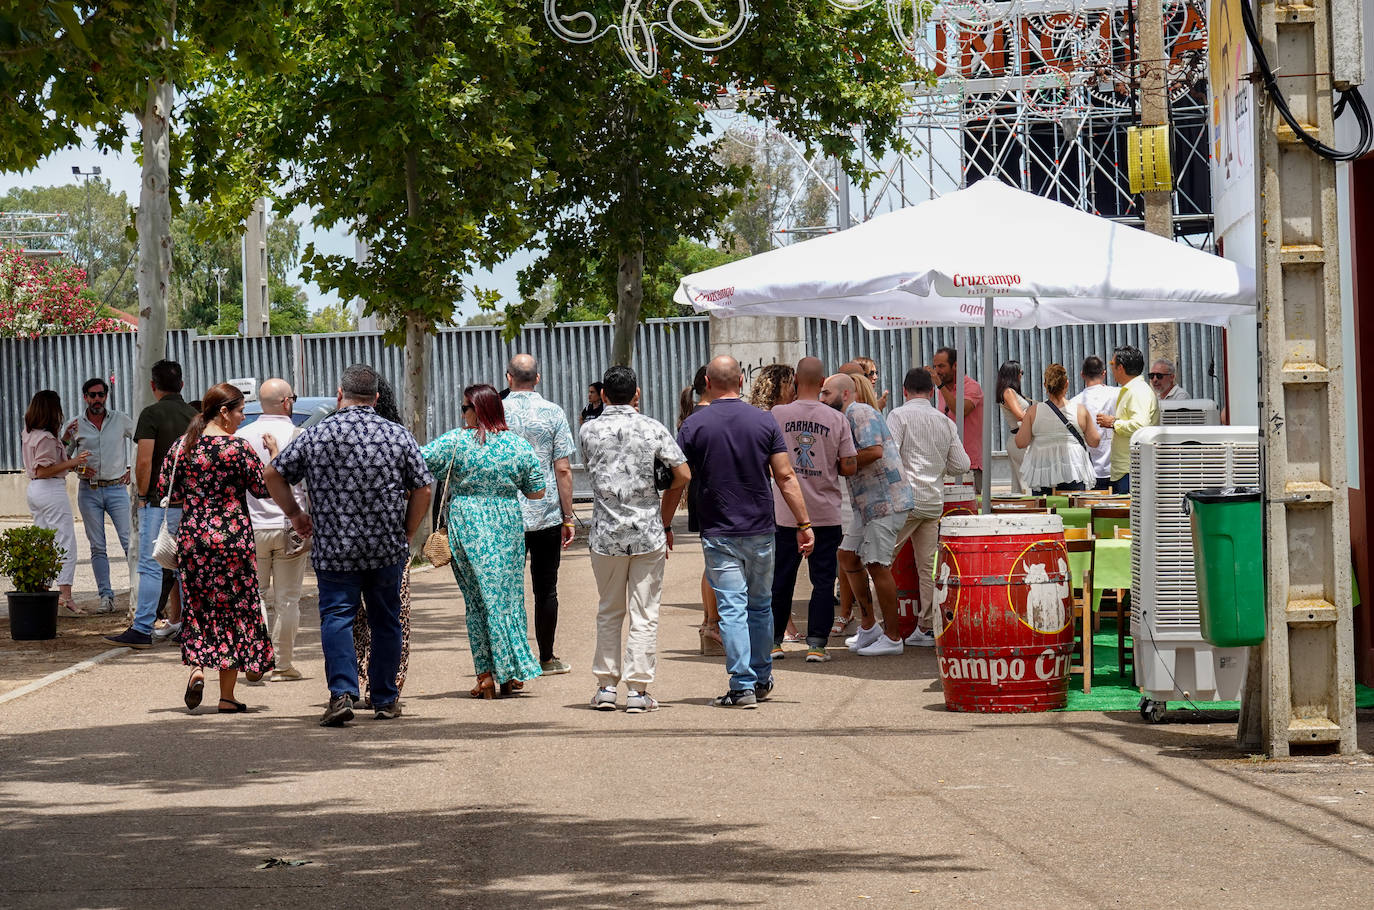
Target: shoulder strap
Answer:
[[172, 481], [1073, 430]]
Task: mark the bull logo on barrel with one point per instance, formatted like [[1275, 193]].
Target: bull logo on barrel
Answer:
[[1038, 588]]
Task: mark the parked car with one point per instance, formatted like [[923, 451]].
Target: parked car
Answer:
[[306, 411]]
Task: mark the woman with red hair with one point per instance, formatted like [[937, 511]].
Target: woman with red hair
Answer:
[[486, 465]]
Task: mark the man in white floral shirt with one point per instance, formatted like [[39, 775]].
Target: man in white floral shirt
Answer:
[[631, 535], [549, 525]]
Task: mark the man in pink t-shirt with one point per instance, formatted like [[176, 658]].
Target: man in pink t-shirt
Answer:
[[947, 399], [821, 448]]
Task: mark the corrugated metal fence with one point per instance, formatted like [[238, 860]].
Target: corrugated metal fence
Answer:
[[667, 353]]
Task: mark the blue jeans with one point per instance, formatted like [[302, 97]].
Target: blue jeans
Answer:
[[340, 595], [95, 503], [150, 521], [821, 567], [1123, 485], [740, 571]]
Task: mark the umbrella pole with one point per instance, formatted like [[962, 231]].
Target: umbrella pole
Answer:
[[959, 382], [988, 318]]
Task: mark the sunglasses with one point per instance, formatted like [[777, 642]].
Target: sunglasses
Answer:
[[96, 394], [466, 408], [1159, 375], [872, 375]]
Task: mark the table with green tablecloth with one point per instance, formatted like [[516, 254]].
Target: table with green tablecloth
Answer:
[[1111, 566], [1054, 502], [1074, 518]]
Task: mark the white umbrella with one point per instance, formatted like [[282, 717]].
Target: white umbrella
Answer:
[[1045, 263]]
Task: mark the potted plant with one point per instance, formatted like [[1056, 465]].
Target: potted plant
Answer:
[[32, 559]]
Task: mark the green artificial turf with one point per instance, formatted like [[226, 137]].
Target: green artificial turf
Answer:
[[1114, 692]]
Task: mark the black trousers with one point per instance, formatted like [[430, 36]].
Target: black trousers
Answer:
[[545, 548]]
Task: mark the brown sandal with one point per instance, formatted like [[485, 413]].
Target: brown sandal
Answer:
[[512, 687], [485, 687]]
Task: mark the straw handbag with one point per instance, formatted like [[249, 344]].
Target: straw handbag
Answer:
[[165, 547], [436, 548]]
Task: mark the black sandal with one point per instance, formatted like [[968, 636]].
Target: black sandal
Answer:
[[195, 690], [239, 707]]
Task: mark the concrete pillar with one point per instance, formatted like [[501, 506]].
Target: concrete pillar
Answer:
[[756, 341]]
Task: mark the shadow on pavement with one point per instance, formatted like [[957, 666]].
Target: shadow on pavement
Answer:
[[360, 852]]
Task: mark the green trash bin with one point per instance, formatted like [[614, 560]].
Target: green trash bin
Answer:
[[1228, 553]]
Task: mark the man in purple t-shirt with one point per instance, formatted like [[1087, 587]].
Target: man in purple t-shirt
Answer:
[[731, 448], [821, 449]]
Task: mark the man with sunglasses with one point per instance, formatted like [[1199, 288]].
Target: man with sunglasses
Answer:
[[103, 482], [1162, 380], [1136, 408]]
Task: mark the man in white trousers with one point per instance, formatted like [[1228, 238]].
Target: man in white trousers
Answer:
[[630, 538], [281, 552]]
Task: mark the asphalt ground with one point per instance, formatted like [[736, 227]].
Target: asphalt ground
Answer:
[[853, 786]]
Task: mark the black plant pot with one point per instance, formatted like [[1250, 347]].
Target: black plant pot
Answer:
[[33, 617]]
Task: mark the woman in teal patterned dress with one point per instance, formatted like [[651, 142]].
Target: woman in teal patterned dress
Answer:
[[486, 464]]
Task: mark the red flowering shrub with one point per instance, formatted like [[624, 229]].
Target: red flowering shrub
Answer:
[[48, 297]]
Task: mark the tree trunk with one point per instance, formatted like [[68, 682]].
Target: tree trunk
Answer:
[[415, 407], [154, 265], [629, 294]]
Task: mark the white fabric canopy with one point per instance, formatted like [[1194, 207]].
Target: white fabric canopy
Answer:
[[933, 263]]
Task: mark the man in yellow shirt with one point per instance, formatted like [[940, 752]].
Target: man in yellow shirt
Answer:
[[1136, 407]]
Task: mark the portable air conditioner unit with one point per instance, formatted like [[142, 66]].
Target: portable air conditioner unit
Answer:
[[1172, 661], [1189, 412]]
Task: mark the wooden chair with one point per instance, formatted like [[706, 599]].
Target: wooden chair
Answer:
[[1083, 614], [1107, 514], [1001, 508], [1120, 600], [1123, 533]]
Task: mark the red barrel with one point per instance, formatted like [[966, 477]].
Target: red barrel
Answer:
[[959, 500], [1004, 614]]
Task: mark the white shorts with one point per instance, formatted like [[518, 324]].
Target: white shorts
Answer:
[[874, 541]]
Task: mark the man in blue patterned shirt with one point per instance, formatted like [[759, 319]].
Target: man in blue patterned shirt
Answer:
[[549, 525], [369, 491]]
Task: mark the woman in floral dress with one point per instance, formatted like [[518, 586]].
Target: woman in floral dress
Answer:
[[223, 625], [486, 465]]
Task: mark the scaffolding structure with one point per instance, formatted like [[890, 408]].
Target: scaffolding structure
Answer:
[[1039, 93]]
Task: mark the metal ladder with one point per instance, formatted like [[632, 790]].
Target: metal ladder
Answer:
[[1301, 686]]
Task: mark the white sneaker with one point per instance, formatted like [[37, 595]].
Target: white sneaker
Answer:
[[881, 647], [864, 637], [919, 639], [107, 604], [166, 631]]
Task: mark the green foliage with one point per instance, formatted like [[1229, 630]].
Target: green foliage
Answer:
[[70, 66], [31, 558], [100, 243], [683, 257], [779, 188], [335, 317], [287, 312], [200, 245], [412, 123], [644, 168]]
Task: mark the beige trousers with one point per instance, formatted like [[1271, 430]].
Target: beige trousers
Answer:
[[633, 585], [925, 536], [279, 584]]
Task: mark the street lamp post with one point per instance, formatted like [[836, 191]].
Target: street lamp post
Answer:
[[90, 239], [219, 274]]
